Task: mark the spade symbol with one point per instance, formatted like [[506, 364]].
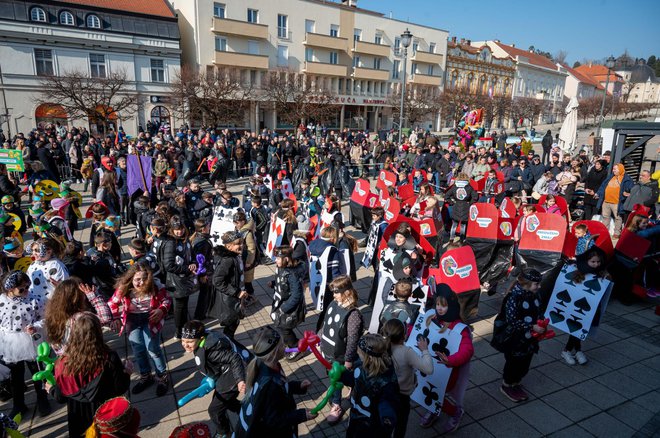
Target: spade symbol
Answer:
[[582, 306], [573, 324], [564, 297], [592, 285], [571, 276], [429, 395], [388, 265], [556, 316], [418, 294]]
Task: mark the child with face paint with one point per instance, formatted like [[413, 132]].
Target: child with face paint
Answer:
[[21, 321], [47, 270], [447, 317], [220, 361]]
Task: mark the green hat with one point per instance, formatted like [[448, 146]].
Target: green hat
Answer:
[[7, 199]]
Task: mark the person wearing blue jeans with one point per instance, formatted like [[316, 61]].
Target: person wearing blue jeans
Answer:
[[145, 345]]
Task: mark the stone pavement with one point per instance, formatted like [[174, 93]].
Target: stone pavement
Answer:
[[616, 394]]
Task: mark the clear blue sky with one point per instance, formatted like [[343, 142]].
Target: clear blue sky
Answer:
[[592, 29]]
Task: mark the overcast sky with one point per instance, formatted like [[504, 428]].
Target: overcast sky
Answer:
[[592, 29]]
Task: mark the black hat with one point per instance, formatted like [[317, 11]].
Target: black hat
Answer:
[[453, 307], [138, 245], [267, 340], [582, 260], [532, 275]]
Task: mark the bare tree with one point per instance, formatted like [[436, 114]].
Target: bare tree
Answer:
[[102, 100], [418, 104], [526, 108], [217, 97], [560, 56], [296, 98]]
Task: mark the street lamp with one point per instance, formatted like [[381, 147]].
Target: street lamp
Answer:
[[609, 63], [406, 39]]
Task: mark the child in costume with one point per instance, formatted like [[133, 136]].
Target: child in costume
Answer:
[[10, 206], [220, 360], [47, 270], [584, 239], [400, 309], [447, 317]]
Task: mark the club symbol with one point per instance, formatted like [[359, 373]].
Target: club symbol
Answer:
[[429, 395]]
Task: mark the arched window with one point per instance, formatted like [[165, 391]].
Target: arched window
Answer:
[[37, 14], [470, 81], [159, 115], [506, 87], [482, 84], [66, 18], [454, 79], [93, 21]]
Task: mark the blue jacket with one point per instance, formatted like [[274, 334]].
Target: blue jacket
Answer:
[[626, 185]]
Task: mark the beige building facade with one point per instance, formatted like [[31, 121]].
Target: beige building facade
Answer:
[[353, 53]]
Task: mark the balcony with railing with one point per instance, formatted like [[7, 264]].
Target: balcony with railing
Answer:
[[227, 26], [421, 79], [241, 60], [325, 41], [427, 57], [324, 68], [371, 74], [371, 49]]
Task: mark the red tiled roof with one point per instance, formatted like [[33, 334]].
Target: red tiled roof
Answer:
[[146, 7], [468, 48], [534, 58], [598, 73], [583, 78]]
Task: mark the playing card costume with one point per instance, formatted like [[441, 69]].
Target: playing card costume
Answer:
[[288, 308]]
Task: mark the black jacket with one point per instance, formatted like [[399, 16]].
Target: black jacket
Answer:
[[461, 195], [8, 188], [546, 142], [227, 284], [221, 362], [593, 181], [47, 160], [177, 256]]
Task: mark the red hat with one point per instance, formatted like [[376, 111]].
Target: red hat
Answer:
[[107, 162], [116, 417], [195, 430], [98, 207]]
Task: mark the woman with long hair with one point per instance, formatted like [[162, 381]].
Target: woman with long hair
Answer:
[[269, 408], [87, 374], [285, 212], [70, 297], [201, 246], [229, 288], [107, 193], [144, 305]]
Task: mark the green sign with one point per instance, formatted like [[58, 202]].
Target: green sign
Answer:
[[13, 159]]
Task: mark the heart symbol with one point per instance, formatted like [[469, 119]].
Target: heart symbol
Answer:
[[556, 317], [573, 325]]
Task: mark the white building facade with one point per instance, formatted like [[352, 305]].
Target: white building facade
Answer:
[[38, 39], [352, 52], [579, 86]]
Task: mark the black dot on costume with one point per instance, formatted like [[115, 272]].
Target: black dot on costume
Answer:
[[13, 307], [52, 271], [36, 281], [17, 318]]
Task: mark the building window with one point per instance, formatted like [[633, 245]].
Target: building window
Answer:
[[253, 77], [252, 16], [429, 70], [310, 26], [66, 18], [454, 79], [93, 22], [160, 114], [396, 66], [157, 70], [309, 54], [282, 56], [376, 63], [382, 88], [413, 68], [219, 10], [97, 65], [220, 44], [415, 46], [334, 30], [38, 14], [356, 61], [378, 39], [431, 47], [470, 80], [334, 58], [44, 61], [253, 47], [340, 85], [282, 26], [368, 86], [357, 35]]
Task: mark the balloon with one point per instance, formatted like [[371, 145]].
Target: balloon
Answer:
[[334, 375], [548, 334], [43, 356], [310, 340], [207, 385], [200, 264]]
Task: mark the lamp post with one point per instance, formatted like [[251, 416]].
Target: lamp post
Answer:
[[406, 39], [609, 64]]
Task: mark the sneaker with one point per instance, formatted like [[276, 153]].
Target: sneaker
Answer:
[[162, 383], [522, 394], [146, 380], [428, 419], [293, 356], [511, 393], [568, 357], [43, 406], [453, 422], [581, 358], [336, 412]]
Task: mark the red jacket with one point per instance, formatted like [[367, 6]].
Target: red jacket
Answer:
[[161, 300], [462, 356]]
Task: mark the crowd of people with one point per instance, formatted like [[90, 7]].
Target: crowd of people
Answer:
[[64, 292]]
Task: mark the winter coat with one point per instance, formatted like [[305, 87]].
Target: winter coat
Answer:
[[249, 250], [643, 194], [221, 362], [177, 256], [546, 142], [625, 186], [227, 284], [461, 195], [161, 300], [593, 181]]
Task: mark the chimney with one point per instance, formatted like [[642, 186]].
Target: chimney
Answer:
[[453, 39], [513, 44], [462, 41], [497, 41], [468, 42], [352, 3]]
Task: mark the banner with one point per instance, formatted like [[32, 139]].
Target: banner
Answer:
[[13, 159], [430, 389], [573, 306], [138, 172]]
